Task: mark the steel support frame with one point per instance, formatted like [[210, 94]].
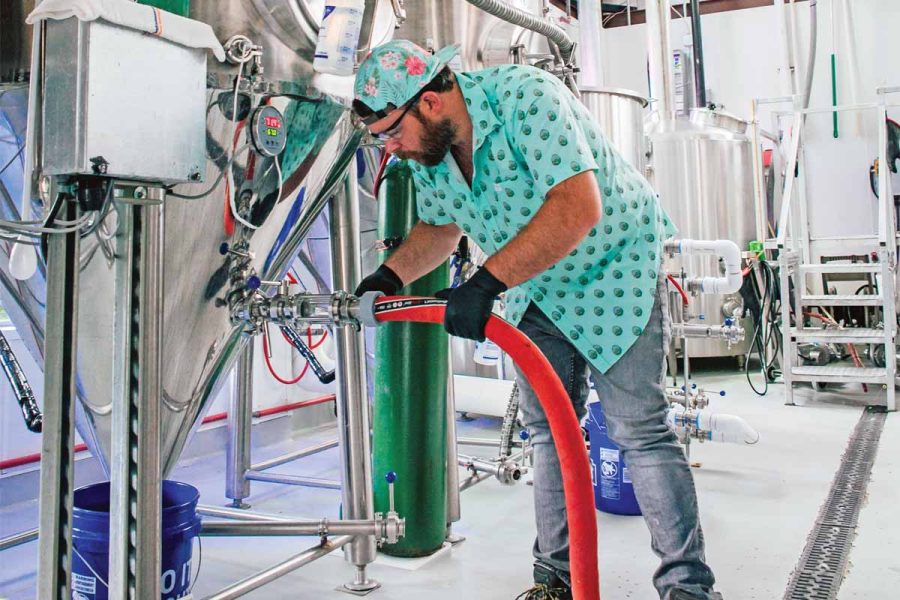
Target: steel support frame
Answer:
[[888, 251], [239, 470], [353, 410], [287, 479], [57, 444], [454, 511], [295, 562], [135, 470], [793, 217], [239, 425]]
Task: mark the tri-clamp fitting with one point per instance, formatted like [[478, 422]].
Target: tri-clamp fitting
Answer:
[[729, 331], [507, 471], [284, 308], [390, 528]]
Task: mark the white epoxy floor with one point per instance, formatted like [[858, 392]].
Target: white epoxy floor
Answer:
[[758, 504]]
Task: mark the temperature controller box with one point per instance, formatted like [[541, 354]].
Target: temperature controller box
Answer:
[[122, 103]]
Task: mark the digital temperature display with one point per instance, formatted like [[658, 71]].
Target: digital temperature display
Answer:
[[269, 131]]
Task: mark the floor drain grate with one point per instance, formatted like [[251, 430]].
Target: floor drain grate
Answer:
[[820, 572]]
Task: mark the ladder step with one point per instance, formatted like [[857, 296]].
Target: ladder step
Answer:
[[835, 374], [834, 267], [842, 300], [856, 335]]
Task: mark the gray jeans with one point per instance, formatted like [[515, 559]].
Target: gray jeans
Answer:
[[633, 398]]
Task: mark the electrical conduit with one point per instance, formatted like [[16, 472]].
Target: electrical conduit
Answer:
[[564, 424], [522, 18]]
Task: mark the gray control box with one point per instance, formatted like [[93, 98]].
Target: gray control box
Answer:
[[122, 103]]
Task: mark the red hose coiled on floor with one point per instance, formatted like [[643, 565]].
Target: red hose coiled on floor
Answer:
[[567, 436]]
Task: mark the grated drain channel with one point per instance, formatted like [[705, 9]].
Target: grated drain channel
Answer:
[[819, 573]]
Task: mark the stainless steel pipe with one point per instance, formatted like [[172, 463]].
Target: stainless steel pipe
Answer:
[[239, 425], [240, 515], [299, 480], [263, 577], [454, 511], [352, 401], [18, 539], [473, 481], [487, 443], [506, 471], [292, 456], [322, 527]]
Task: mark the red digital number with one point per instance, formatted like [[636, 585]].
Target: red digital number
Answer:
[[273, 122]]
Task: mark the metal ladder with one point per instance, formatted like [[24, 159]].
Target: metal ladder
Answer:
[[793, 243]]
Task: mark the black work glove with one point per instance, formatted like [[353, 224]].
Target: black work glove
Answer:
[[469, 305], [382, 280]]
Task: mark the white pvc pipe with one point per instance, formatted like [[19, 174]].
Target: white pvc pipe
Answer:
[[715, 427], [728, 251]]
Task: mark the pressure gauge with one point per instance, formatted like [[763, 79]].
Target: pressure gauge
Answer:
[[269, 135]]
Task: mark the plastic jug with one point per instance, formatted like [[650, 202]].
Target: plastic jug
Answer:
[[339, 37]]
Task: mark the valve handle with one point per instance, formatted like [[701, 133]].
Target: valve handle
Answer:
[[390, 477], [524, 435], [223, 248], [722, 393], [253, 282]]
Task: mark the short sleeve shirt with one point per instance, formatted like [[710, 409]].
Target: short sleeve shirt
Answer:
[[530, 133]]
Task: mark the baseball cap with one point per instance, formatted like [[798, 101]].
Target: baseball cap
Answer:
[[393, 73]]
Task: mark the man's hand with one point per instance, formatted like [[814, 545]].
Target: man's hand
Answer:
[[469, 306], [382, 280]]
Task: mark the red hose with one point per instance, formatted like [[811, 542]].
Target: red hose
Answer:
[[673, 281], [576, 471], [272, 369], [377, 185], [313, 345]]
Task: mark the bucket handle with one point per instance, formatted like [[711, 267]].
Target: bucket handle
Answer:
[[199, 564], [88, 565], [106, 585]]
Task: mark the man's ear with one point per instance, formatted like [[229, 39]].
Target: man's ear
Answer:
[[431, 104]]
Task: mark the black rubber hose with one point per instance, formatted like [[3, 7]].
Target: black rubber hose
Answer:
[[34, 420], [314, 364]]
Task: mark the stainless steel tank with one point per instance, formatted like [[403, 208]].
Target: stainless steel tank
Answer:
[[702, 169], [484, 39], [15, 40], [199, 342], [620, 114]]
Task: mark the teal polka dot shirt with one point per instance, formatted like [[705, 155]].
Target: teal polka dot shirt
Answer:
[[530, 133]]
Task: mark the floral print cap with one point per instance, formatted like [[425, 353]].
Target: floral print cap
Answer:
[[395, 72]]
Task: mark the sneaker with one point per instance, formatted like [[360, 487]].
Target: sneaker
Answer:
[[547, 586]]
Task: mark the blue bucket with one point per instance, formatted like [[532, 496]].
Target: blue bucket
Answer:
[[90, 537], [613, 492]]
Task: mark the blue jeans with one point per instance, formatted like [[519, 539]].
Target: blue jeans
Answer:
[[632, 394]]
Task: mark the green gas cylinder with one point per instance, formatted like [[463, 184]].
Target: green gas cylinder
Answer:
[[409, 423]]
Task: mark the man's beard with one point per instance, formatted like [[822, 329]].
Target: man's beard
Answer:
[[436, 140]]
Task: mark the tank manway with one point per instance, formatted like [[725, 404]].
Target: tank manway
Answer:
[[819, 574]]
